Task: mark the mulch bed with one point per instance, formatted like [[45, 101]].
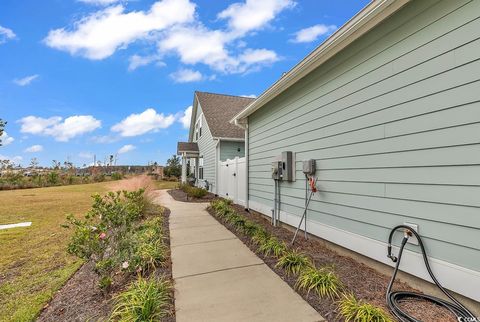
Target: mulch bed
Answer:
[[80, 299], [365, 282], [179, 195]]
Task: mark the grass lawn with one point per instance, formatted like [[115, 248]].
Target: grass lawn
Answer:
[[34, 262], [166, 184]]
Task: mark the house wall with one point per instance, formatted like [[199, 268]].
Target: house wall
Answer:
[[206, 147], [229, 150], [393, 122]]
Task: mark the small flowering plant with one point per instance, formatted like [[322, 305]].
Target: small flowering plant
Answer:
[[104, 234]]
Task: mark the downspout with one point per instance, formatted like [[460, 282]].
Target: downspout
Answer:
[[217, 159], [246, 166]]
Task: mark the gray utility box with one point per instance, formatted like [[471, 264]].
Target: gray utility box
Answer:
[[277, 170], [287, 166], [309, 167]]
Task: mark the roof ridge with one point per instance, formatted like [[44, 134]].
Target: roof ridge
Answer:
[[230, 95]]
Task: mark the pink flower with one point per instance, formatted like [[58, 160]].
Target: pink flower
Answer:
[[102, 236], [125, 265]]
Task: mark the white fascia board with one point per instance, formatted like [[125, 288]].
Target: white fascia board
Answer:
[[229, 139], [366, 19]]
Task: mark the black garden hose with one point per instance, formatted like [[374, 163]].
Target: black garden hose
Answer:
[[394, 299]]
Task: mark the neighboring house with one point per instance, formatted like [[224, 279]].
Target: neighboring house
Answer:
[[212, 138], [389, 108]]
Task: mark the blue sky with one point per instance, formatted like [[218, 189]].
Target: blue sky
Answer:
[[97, 77]]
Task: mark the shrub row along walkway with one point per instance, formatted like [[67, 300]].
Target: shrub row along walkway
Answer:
[[217, 278]]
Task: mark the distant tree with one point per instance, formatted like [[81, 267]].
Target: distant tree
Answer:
[[34, 163], [2, 127], [56, 164], [173, 168]]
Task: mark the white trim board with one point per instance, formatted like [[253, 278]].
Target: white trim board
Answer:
[[22, 224], [456, 278]]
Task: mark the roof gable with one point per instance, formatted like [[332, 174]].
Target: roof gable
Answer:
[[218, 110]]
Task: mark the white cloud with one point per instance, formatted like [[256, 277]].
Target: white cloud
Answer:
[[258, 56], [313, 33], [5, 139], [6, 34], [249, 96], [136, 61], [100, 34], [25, 80], [186, 76], [99, 2], [211, 49], [147, 121], [185, 117], [61, 130], [253, 14], [126, 148], [34, 148]]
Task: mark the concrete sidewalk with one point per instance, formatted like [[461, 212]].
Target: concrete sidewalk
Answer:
[[217, 278]]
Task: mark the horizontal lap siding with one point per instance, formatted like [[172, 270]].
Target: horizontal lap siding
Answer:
[[393, 122], [206, 147]]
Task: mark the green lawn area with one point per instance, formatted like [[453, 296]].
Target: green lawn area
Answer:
[[166, 184], [33, 261]]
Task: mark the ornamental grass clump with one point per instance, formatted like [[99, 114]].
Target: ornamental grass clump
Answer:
[[272, 245], [294, 262], [260, 236], [323, 281], [144, 300], [358, 311]]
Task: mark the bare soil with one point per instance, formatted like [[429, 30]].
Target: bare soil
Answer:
[[365, 282], [179, 195], [80, 299]]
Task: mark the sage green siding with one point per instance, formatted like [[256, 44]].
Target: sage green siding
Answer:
[[231, 149], [393, 122], [206, 147]]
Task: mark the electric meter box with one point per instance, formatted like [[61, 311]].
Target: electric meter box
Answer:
[[287, 166], [309, 167], [277, 170]]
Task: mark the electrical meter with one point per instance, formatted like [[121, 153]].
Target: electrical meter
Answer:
[[277, 170], [287, 166], [309, 167]]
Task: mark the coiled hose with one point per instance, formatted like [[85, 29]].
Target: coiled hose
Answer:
[[394, 299]]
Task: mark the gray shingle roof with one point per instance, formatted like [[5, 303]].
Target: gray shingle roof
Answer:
[[219, 109], [187, 147]]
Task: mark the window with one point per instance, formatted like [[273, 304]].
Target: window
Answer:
[[198, 127], [200, 168]]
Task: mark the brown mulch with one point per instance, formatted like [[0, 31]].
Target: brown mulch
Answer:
[[365, 282], [179, 195], [80, 299]]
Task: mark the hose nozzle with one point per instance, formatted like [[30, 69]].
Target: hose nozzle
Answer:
[[389, 254]]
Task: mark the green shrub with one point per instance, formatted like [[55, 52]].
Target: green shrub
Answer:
[[112, 235], [358, 311], [272, 246], [144, 300], [195, 192], [323, 281], [117, 176], [294, 262], [53, 178]]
